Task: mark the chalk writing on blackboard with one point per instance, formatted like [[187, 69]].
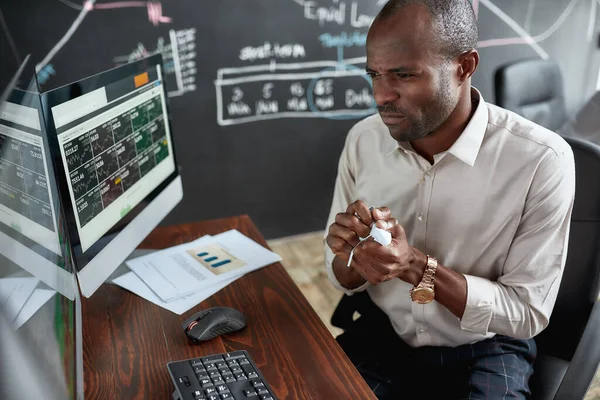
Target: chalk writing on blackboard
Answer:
[[179, 59]]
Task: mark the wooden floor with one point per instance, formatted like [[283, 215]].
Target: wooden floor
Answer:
[[304, 259]]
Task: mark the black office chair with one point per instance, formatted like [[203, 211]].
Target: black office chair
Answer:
[[532, 88], [569, 348]]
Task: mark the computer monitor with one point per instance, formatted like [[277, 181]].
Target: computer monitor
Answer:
[[112, 147], [29, 207]]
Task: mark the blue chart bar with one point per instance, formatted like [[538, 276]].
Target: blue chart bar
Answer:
[[218, 264], [209, 258]]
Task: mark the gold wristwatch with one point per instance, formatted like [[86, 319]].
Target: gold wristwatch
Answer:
[[424, 292]]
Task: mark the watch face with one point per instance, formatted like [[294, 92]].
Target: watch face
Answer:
[[422, 295]]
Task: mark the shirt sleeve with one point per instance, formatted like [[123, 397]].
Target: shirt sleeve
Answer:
[[344, 194], [520, 302]]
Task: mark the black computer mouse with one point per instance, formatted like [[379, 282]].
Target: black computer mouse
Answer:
[[212, 322]]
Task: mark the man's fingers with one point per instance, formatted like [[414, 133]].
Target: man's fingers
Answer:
[[353, 223], [338, 245], [381, 213], [393, 226], [372, 254], [361, 210], [382, 224], [348, 235]]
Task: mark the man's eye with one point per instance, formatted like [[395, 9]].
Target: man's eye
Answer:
[[403, 75], [372, 74]]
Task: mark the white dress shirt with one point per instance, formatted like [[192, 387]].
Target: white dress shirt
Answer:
[[495, 207]]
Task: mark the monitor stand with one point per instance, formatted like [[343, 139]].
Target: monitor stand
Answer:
[[123, 269]]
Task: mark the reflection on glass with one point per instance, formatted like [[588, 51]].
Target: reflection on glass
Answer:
[[38, 357]]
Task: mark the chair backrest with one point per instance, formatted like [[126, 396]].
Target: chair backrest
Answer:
[[580, 284], [532, 89]]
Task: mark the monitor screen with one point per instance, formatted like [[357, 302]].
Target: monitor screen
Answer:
[[112, 149]]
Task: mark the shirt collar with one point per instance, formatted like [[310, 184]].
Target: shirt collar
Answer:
[[466, 147]]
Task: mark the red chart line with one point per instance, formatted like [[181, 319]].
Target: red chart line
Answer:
[[120, 4], [476, 8]]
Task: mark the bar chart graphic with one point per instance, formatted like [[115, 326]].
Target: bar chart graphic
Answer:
[[216, 259]]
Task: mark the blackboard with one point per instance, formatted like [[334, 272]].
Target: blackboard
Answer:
[[263, 92]]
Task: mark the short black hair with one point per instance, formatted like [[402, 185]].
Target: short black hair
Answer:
[[454, 21]]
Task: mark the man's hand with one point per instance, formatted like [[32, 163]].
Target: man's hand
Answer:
[[371, 261], [348, 228], [343, 235], [377, 263]]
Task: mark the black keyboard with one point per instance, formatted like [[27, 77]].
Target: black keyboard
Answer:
[[221, 376]]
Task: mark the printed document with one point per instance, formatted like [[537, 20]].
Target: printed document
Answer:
[[188, 268]]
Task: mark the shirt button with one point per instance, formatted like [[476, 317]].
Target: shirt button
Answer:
[[420, 217], [427, 177]]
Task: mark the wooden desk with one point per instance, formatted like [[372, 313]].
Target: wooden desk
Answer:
[[127, 341]]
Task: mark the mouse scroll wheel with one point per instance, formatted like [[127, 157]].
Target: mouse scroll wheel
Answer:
[[191, 325]]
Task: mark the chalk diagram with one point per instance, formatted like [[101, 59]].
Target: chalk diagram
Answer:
[[178, 50], [179, 59], [336, 88], [339, 88]]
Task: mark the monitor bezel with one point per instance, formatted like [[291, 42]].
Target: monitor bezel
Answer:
[[65, 93]]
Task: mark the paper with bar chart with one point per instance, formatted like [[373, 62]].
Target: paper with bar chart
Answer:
[[183, 270]]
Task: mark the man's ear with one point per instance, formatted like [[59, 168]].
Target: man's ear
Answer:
[[467, 65]]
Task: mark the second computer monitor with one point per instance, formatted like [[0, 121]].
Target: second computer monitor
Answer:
[[112, 148]]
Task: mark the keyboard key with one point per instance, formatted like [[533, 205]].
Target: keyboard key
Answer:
[[200, 397], [262, 391], [250, 393], [252, 375], [226, 396], [257, 384], [234, 356], [185, 380], [221, 364], [199, 369], [266, 397], [243, 361], [210, 366], [240, 377], [236, 370], [232, 363], [211, 390], [225, 372], [222, 389], [212, 359], [196, 362], [230, 379], [202, 375], [214, 374], [214, 397], [197, 393], [247, 368], [218, 381], [206, 383]]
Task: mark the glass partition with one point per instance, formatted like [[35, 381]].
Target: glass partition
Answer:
[[40, 355]]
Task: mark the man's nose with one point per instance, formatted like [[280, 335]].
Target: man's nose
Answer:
[[383, 92]]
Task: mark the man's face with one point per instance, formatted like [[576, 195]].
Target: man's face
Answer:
[[414, 88]]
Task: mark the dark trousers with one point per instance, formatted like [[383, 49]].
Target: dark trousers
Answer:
[[496, 368]]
